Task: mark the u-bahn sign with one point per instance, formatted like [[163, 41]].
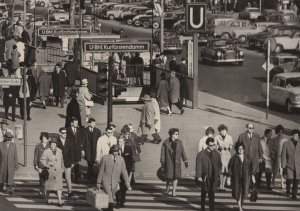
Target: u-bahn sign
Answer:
[[116, 47], [52, 31], [195, 17]]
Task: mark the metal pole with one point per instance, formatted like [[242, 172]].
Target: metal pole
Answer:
[[195, 70], [24, 18], [48, 14], [152, 30], [268, 80], [260, 5], [162, 27], [109, 94], [25, 116]]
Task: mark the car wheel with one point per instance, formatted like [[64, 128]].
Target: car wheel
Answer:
[[111, 17], [146, 24], [129, 21], [288, 106], [225, 35], [136, 23], [156, 25], [278, 49], [242, 39], [42, 4]]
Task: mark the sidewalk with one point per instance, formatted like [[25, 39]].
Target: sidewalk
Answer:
[[211, 111]]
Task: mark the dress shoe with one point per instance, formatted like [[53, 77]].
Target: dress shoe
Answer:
[[28, 119], [294, 197], [13, 119], [182, 111], [122, 205], [117, 206]]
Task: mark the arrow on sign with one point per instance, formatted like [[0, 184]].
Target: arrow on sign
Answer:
[[270, 66]]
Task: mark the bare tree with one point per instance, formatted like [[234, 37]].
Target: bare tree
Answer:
[[72, 22]]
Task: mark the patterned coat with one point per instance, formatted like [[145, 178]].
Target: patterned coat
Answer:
[[8, 162], [290, 159], [172, 165], [174, 90], [162, 93], [55, 164], [147, 119], [109, 174]]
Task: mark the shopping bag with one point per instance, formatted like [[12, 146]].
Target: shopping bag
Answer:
[[88, 103], [97, 198]]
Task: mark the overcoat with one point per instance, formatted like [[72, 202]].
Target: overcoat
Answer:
[[38, 152], [77, 140], [208, 168], [172, 166], [174, 90], [90, 143], [44, 84], [109, 174], [72, 111], [163, 94], [290, 159], [67, 152], [253, 148], [276, 149], [8, 162], [54, 162], [147, 119], [240, 173], [59, 82], [82, 109], [127, 155]]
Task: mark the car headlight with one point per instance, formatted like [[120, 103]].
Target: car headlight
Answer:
[[219, 54], [297, 98], [241, 53]]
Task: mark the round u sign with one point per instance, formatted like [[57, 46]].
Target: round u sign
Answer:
[[195, 17]]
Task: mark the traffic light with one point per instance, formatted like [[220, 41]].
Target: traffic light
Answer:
[[118, 89], [103, 82]]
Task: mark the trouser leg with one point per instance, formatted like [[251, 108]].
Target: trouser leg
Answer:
[[288, 186], [258, 179], [28, 107], [6, 111], [268, 179], [156, 137], [21, 107], [68, 179], [143, 138], [203, 196], [13, 112], [56, 100], [123, 192], [90, 169], [76, 171], [211, 198]]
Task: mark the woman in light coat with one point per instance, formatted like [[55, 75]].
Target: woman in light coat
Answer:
[[44, 84], [162, 93], [52, 159], [83, 96], [156, 112]]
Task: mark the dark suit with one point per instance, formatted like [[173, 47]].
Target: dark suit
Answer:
[[10, 100], [77, 141], [127, 155], [67, 151], [90, 145]]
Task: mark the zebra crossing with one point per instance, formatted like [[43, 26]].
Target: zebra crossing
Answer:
[[148, 195]]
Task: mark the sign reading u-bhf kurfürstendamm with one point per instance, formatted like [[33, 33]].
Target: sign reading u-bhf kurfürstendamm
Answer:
[[48, 31], [10, 82], [117, 47]]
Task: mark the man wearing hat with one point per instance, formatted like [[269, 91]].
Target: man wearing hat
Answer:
[[59, 82], [4, 129], [8, 162], [148, 120]]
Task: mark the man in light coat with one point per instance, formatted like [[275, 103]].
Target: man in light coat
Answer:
[[112, 167], [104, 143], [147, 122], [290, 162]]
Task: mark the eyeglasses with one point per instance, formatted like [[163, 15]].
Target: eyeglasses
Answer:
[[109, 132], [176, 134], [251, 128], [211, 145], [63, 132]]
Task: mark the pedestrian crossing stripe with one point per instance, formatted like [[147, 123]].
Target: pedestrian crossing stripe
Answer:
[[146, 196]]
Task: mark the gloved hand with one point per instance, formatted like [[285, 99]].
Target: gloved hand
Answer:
[[186, 164]]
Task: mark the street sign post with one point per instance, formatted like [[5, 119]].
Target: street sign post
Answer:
[[195, 23], [268, 78]]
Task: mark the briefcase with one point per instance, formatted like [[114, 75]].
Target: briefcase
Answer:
[[97, 198]]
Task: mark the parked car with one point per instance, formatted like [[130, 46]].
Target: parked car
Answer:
[[284, 43], [131, 10], [60, 15], [284, 91], [289, 19], [221, 51], [169, 19], [242, 33], [258, 40], [214, 22], [226, 30], [148, 14], [116, 12], [268, 15], [99, 11], [3, 10], [250, 13], [128, 17], [172, 41], [283, 63]]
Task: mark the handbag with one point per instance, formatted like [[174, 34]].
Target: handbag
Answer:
[[136, 157], [97, 198], [44, 173], [161, 174], [88, 103]]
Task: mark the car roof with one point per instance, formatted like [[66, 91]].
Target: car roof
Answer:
[[289, 75]]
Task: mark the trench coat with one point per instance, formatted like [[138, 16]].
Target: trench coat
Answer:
[[44, 84], [109, 174], [208, 169], [174, 90], [163, 94], [157, 114], [240, 174], [253, 148], [59, 82], [172, 166], [90, 143], [290, 160], [55, 166], [147, 119], [72, 111], [82, 110], [8, 162], [77, 140], [276, 149]]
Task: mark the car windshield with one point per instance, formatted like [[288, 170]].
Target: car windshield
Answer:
[[222, 43], [293, 82], [289, 17], [287, 60], [2, 8]]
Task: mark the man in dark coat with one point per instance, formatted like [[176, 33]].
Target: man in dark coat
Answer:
[[173, 66], [90, 138], [72, 73], [67, 149], [59, 82], [73, 109], [138, 65], [208, 167], [74, 133], [182, 71], [253, 148]]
